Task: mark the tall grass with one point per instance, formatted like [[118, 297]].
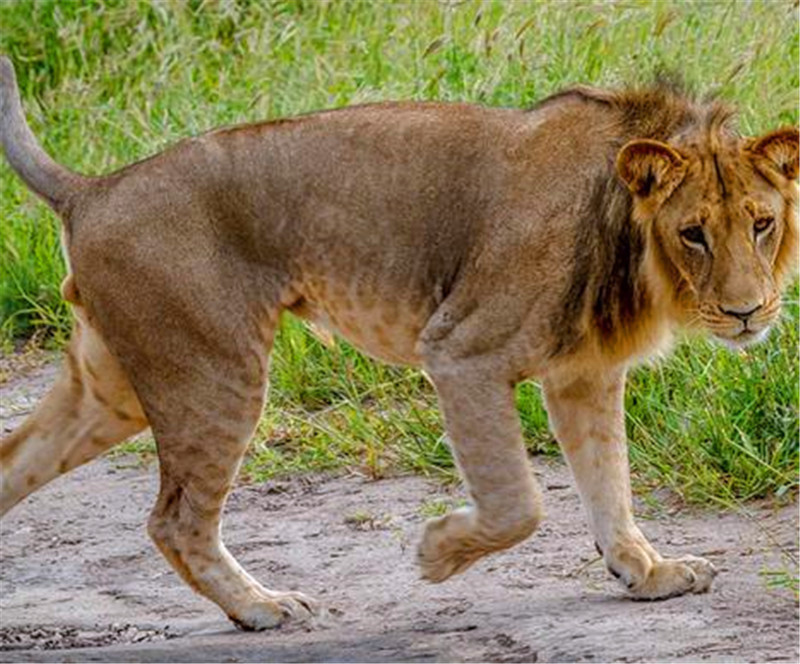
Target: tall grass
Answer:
[[108, 83]]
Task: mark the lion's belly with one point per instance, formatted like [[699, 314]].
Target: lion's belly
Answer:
[[385, 330]]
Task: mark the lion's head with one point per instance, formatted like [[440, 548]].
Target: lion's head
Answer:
[[721, 212]]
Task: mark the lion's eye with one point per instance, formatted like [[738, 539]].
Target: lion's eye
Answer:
[[694, 236], [763, 224]]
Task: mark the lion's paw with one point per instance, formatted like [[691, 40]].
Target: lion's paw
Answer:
[[704, 572], [449, 546], [670, 578], [273, 610]]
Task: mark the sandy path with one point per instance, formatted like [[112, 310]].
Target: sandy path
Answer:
[[80, 581]]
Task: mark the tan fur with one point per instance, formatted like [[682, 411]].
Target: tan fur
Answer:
[[485, 245]]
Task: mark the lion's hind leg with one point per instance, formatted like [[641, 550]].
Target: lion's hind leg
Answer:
[[202, 426], [186, 526], [91, 408]]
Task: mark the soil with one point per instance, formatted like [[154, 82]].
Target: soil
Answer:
[[80, 580]]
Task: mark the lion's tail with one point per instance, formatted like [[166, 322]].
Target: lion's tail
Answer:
[[53, 182]]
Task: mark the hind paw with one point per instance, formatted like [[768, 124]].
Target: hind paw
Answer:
[[273, 610]]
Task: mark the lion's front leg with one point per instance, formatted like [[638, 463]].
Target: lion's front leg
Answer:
[[484, 431], [587, 417]]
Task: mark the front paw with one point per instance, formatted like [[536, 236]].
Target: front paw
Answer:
[[678, 576], [449, 546]]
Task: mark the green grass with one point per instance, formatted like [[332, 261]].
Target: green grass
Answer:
[[108, 83], [783, 579]]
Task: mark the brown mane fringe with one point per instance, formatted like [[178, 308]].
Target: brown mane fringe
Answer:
[[656, 111], [605, 279]]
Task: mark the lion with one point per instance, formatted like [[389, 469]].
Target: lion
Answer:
[[561, 243]]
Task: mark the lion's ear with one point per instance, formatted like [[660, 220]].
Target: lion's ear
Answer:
[[651, 169], [778, 150]]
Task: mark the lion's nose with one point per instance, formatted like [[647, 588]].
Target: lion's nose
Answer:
[[742, 312]]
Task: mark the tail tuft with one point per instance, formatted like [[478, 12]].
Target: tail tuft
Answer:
[[53, 182]]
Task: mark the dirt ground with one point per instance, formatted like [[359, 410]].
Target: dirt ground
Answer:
[[80, 580]]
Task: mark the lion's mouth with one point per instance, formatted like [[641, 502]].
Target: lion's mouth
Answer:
[[746, 336], [737, 330]]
